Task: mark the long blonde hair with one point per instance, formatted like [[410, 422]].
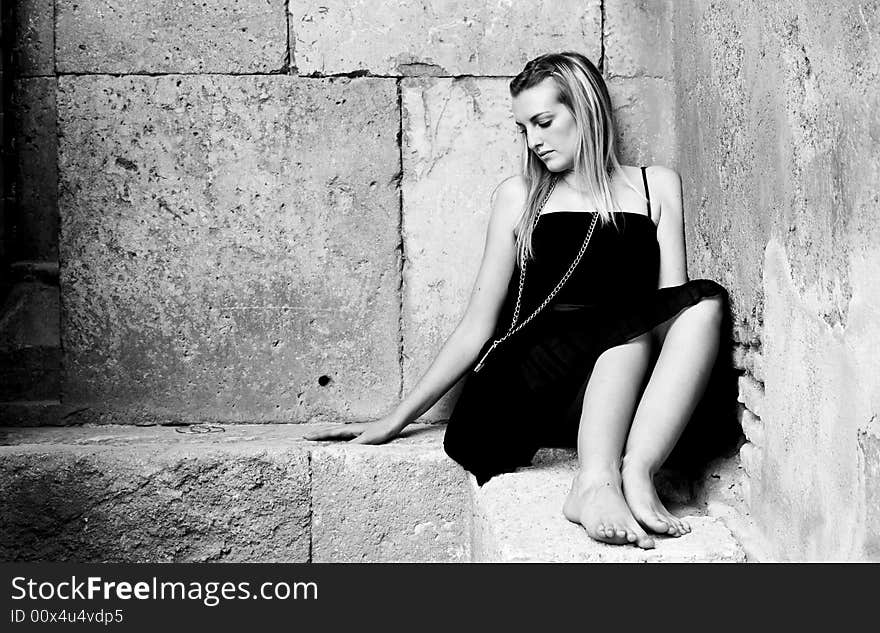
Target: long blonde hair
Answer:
[[582, 90]]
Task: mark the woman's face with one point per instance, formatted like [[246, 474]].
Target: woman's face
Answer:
[[550, 129]]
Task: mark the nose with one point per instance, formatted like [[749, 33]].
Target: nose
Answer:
[[533, 139]]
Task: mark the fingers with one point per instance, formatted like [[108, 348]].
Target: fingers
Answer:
[[340, 432], [370, 437]]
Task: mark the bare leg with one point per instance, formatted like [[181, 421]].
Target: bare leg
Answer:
[[596, 498], [674, 388]]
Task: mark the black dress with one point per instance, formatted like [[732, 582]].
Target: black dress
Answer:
[[529, 391]]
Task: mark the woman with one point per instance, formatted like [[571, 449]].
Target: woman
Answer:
[[583, 277]]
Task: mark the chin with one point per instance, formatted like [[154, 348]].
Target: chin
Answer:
[[557, 167]]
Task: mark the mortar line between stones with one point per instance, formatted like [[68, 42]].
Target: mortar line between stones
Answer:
[[273, 73], [54, 39], [401, 247], [61, 352], [601, 37], [288, 63], [62, 356]]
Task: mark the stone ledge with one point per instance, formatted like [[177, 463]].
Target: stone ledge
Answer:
[[262, 493], [150, 495], [518, 518]]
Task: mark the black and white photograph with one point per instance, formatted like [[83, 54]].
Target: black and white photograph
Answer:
[[435, 281]]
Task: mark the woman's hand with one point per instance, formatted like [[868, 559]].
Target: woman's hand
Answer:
[[376, 432]]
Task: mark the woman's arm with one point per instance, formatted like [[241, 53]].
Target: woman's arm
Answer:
[[666, 183], [460, 350]]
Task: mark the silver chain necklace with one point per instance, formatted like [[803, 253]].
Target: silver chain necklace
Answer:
[[522, 276]]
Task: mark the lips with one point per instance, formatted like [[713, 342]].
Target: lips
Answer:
[[545, 153]]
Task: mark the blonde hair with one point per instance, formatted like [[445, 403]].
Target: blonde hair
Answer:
[[581, 89]]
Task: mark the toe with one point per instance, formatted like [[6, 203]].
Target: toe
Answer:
[[641, 537]]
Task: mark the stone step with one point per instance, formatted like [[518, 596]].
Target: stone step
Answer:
[[518, 518], [261, 493], [255, 493]]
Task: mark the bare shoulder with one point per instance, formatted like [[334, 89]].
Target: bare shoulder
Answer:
[[511, 190], [509, 198], [665, 184]]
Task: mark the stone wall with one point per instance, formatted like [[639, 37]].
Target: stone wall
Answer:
[[30, 355], [274, 211], [780, 158]]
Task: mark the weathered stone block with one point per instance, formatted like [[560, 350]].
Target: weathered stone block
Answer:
[[639, 38], [33, 53], [751, 394], [229, 247], [405, 502], [821, 392], [752, 427], [229, 36], [751, 458], [459, 142], [152, 495], [30, 358], [869, 444], [441, 37], [36, 174], [518, 518], [644, 111]]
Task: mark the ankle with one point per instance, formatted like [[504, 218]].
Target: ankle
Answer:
[[638, 466], [594, 477]]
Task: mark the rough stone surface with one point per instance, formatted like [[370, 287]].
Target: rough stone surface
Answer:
[[30, 358], [443, 37], [723, 494], [638, 38], [779, 108], [728, 152], [32, 413], [518, 518], [748, 359], [117, 36], [869, 443], [34, 140], [153, 495], [229, 247], [459, 143], [751, 394], [752, 427], [33, 52], [821, 393], [404, 502], [644, 112]]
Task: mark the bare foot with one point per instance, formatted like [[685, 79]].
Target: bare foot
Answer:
[[645, 505], [597, 503]]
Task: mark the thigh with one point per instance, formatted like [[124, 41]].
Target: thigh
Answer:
[[618, 376], [614, 385]]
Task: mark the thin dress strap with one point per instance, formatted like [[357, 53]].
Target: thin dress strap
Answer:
[[647, 193]]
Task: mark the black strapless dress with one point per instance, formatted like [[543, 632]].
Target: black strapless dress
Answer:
[[529, 392]]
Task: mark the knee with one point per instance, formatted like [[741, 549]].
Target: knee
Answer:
[[708, 311]]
